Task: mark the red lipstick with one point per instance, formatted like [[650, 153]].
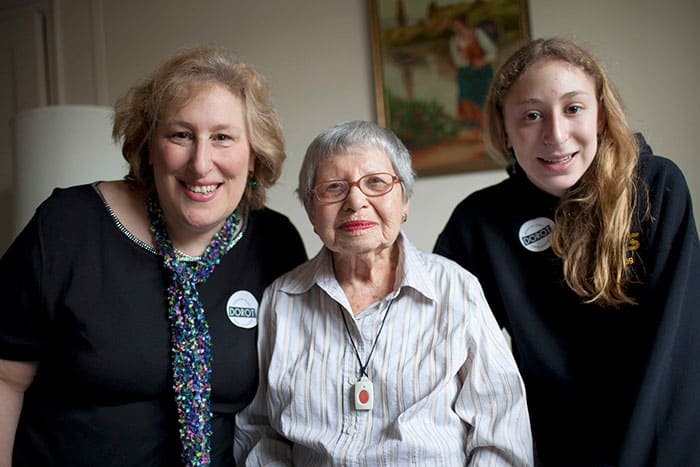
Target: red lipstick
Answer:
[[352, 226]]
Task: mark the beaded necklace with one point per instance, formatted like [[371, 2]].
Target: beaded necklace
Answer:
[[190, 341]]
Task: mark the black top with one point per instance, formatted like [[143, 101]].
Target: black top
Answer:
[[606, 386], [88, 301]]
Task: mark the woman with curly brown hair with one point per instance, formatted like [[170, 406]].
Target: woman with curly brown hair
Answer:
[[588, 255], [128, 333]]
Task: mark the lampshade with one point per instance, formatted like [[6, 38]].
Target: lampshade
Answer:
[[61, 146]]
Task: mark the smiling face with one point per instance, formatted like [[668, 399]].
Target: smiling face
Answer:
[[201, 158], [551, 118], [359, 224]]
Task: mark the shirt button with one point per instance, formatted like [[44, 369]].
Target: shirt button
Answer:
[[352, 381]]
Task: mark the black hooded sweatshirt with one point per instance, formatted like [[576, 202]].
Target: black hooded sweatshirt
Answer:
[[606, 385]]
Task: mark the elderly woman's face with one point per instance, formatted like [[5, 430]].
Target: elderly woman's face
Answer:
[[360, 224], [201, 158]]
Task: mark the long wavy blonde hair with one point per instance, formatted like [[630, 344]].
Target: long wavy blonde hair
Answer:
[[594, 217]]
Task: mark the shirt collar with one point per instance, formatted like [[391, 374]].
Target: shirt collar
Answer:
[[410, 270]]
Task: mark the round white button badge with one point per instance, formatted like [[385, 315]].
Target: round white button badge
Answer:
[[242, 309], [536, 234]]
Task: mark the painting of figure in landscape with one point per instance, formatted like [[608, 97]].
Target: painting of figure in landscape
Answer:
[[433, 63]]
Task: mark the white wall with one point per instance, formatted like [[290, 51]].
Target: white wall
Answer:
[[317, 57]]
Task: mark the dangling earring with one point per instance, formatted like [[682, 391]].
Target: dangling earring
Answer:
[[253, 182], [512, 168]]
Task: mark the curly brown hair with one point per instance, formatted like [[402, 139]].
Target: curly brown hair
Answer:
[[175, 82], [594, 217]]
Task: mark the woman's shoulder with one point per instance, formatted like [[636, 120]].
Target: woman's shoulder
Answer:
[[63, 219], [653, 167], [69, 202], [303, 276], [438, 267], [487, 199], [75, 193], [274, 226], [663, 181], [269, 217], [442, 267], [273, 238], [665, 199], [127, 207]]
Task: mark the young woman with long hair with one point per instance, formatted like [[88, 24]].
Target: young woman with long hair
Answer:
[[588, 255]]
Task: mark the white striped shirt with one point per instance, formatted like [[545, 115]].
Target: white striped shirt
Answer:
[[446, 388]]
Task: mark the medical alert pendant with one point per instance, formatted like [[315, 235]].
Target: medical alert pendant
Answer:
[[364, 394]]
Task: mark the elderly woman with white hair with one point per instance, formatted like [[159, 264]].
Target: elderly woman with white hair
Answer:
[[375, 352]]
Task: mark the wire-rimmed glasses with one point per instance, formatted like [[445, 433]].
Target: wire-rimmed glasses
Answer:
[[371, 185]]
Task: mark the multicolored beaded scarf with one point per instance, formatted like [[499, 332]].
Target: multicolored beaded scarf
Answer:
[[189, 333]]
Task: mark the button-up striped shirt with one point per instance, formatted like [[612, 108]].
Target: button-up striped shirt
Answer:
[[446, 388]]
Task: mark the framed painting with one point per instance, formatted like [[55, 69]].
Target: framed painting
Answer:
[[433, 63]]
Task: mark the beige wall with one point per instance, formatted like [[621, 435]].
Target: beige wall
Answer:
[[316, 55]]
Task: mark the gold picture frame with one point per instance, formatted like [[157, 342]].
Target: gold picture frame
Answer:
[[433, 62]]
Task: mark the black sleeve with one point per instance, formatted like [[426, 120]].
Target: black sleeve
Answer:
[[296, 252], [286, 249], [22, 323], [451, 243], [665, 425]]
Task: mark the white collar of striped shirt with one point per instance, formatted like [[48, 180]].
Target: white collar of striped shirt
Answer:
[[411, 270]]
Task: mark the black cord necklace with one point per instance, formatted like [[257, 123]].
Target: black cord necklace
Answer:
[[363, 390]]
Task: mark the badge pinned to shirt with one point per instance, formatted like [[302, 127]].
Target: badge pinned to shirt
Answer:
[[536, 234], [242, 309]]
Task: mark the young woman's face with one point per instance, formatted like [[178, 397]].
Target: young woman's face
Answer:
[[201, 158], [551, 118]]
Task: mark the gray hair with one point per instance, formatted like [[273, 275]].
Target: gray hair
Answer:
[[354, 136]]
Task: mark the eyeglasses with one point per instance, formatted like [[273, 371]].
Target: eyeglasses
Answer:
[[372, 185]]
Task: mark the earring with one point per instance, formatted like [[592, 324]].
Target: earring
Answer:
[[253, 182], [404, 217], [513, 163]]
